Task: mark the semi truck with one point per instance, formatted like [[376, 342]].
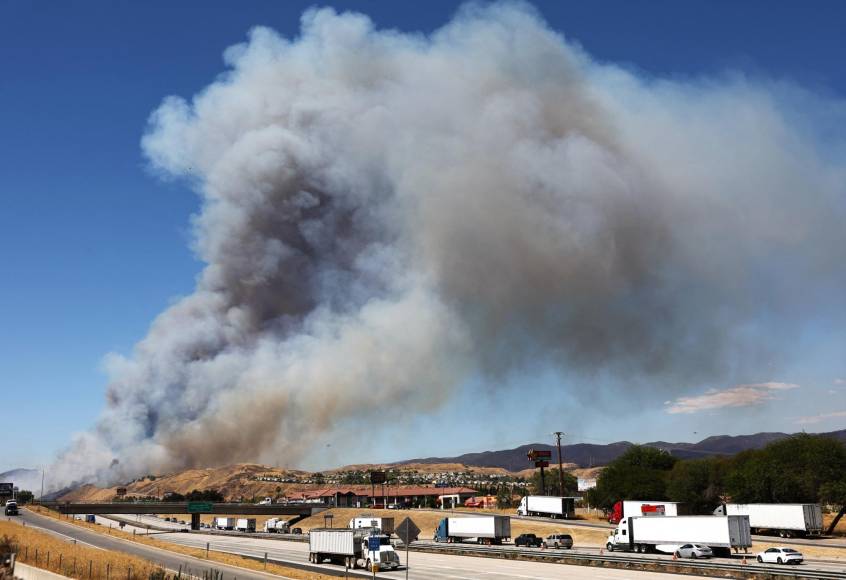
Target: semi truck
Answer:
[[246, 525], [384, 525], [485, 529], [224, 523], [547, 506], [276, 526], [665, 534], [785, 519], [352, 548], [639, 507]]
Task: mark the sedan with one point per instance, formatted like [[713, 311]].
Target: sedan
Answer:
[[693, 551], [781, 556]]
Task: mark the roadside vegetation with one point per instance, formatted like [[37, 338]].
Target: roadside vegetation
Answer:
[[800, 469], [45, 551]]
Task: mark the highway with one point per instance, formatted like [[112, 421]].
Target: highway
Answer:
[[287, 550], [424, 566], [170, 560]]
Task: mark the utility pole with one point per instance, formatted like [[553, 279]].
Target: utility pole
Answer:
[[558, 435]]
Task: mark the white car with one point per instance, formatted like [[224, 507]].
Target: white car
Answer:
[[693, 551], [781, 556]]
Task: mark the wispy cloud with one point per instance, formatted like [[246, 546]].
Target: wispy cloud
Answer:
[[839, 381], [736, 396], [820, 418]]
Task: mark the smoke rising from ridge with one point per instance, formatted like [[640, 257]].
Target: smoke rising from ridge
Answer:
[[386, 215]]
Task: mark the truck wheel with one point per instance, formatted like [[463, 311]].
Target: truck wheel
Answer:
[[369, 565], [760, 560], [609, 546]]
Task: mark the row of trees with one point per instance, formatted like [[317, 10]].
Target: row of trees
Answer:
[[800, 469], [195, 495]]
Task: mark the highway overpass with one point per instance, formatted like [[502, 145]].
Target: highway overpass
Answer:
[[300, 510]]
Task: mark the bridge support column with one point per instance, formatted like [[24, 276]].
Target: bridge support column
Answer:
[[195, 521]]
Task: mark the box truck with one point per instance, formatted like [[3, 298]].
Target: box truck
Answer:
[[547, 506], [641, 507], [384, 525], [276, 526], [224, 523], [246, 525], [785, 519], [485, 529], [665, 534], [352, 548]]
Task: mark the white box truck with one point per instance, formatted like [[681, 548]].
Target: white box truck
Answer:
[[276, 526], [384, 525], [246, 525], [547, 506], [785, 519], [665, 534], [225, 523], [485, 529], [352, 548]]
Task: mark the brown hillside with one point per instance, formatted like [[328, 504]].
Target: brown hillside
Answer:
[[234, 482]]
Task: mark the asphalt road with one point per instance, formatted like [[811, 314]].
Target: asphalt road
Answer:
[[423, 566], [256, 546], [169, 560]]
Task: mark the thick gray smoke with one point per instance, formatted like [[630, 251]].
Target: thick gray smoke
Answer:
[[387, 216]]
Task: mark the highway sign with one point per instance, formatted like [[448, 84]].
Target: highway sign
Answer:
[[7, 489], [541, 463], [407, 531], [373, 543], [441, 485], [377, 477], [200, 507]]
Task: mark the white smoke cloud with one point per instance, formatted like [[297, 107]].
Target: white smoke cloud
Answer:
[[737, 396], [386, 216]]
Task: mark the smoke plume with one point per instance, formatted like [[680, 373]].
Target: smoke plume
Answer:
[[387, 216]]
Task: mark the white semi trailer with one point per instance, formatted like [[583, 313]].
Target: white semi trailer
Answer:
[[225, 523], [276, 526], [352, 548], [385, 525], [485, 529], [665, 534], [246, 525], [547, 506], [785, 519]]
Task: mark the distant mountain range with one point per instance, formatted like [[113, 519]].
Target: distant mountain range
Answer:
[[29, 479], [593, 455]]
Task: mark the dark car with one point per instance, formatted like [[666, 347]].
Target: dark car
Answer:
[[11, 508], [297, 531], [527, 540], [558, 541]]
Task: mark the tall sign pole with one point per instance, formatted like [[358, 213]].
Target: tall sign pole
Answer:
[[558, 435]]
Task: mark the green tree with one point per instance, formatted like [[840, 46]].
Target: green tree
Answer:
[[834, 493], [550, 478], [504, 499], [24, 496], [698, 483], [792, 470], [639, 473]]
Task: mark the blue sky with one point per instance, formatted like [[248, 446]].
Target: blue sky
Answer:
[[94, 246]]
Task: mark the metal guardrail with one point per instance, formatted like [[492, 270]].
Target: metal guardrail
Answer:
[[699, 567]]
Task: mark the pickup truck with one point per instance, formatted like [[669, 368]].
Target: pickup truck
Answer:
[[528, 540], [11, 508]]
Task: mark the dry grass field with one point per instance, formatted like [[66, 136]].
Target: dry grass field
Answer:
[[63, 557]]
